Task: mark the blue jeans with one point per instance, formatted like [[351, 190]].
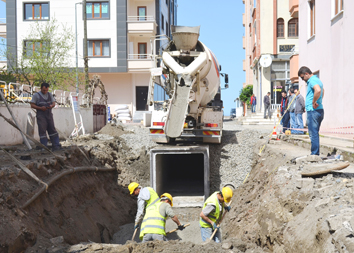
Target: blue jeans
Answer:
[[286, 121], [253, 108], [298, 123], [314, 120], [207, 232], [292, 122]]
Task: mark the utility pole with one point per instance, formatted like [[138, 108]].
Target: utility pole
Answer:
[[85, 47]]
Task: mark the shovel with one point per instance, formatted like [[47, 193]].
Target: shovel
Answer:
[[212, 236], [134, 234], [177, 229]]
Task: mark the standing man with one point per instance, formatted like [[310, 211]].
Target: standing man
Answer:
[[43, 102], [266, 103], [313, 106], [146, 197], [284, 112], [299, 110], [253, 103], [153, 226], [291, 109], [212, 213]]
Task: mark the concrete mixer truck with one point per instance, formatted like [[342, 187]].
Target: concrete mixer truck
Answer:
[[190, 75]]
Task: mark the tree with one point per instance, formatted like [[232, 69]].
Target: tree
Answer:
[[45, 56], [246, 93]]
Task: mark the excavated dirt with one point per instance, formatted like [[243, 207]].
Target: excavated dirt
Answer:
[[275, 210]]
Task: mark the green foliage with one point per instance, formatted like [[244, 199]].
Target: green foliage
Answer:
[[7, 75], [246, 93], [46, 56]]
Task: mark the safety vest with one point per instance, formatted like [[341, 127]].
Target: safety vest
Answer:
[[153, 197], [154, 222], [213, 216]]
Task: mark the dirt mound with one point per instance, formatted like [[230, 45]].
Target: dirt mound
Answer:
[[113, 130], [281, 211]]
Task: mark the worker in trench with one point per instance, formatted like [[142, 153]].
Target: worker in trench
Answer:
[[212, 213], [153, 226], [146, 197], [43, 102]]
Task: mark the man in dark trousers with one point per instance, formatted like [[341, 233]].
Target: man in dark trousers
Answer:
[[43, 102], [286, 117], [266, 102]]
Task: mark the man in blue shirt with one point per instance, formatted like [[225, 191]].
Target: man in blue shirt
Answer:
[[313, 106]]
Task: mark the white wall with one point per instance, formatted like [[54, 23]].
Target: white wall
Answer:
[[63, 120], [331, 53], [64, 12]]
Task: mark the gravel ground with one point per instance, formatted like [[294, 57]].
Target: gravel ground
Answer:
[[233, 159]]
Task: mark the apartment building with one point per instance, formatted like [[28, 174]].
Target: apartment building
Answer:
[[273, 31], [326, 39], [119, 35], [247, 40]]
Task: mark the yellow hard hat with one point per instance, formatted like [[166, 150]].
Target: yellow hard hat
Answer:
[[169, 196], [132, 186], [227, 193]]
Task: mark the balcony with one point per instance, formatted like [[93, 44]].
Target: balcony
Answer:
[[139, 62], [141, 24], [243, 19], [294, 8], [243, 42], [244, 65], [2, 28]]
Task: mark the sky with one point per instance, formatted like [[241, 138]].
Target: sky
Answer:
[[2, 19], [221, 31]]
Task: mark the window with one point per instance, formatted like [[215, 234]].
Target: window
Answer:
[[293, 27], [141, 13], [35, 11], [167, 2], [338, 6], [98, 48], [97, 10], [280, 28], [142, 50], [32, 47], [162, 22], [166, 28], [312, 5]]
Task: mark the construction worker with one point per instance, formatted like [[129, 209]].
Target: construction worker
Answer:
[[153, 226], [146, 197], [212, 212], [43, 102]]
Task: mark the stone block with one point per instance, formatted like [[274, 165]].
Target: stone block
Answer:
[[226, 245], [305, 183], [309, 158], [334, 223], [322, 203], [57, 240]]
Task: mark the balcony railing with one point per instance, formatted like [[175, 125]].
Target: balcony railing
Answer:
[[140, 62], [141, 24], [140, 18]]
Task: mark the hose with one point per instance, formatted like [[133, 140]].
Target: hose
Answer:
[[64, 173]]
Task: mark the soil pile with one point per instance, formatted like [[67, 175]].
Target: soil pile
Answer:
[[281, 211]]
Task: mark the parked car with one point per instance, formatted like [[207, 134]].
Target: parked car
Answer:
[[233, 113]]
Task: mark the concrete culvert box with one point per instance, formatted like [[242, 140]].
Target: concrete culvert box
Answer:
[[181, 171]]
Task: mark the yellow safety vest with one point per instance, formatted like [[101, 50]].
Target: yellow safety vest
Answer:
[[154, 222], [213, 216], [153, 197]]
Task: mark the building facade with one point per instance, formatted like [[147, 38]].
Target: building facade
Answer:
[[326, 38], [119, 36], [273, 32]]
